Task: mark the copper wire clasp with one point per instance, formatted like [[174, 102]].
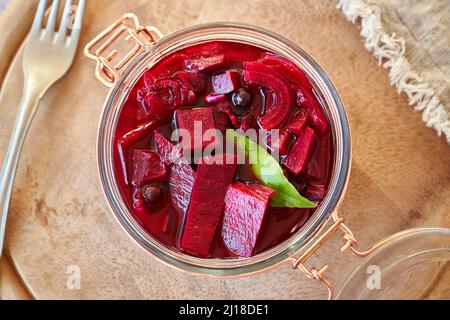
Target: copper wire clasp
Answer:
[[106, 71], [318, 274]]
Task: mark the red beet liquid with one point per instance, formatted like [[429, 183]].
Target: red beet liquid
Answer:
[[162, 221]]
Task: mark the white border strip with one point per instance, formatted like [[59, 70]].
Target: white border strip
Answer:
[[390, 53]]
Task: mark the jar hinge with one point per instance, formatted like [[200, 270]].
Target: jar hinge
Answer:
[[349, 244], [106, 71]]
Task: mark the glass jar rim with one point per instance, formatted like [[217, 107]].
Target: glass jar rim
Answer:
[[235, 32]]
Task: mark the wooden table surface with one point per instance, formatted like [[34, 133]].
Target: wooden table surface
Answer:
[[58, 217]]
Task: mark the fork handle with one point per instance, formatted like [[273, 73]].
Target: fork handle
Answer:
[[27, 110]]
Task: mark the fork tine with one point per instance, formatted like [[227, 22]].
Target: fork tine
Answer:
[[52, 18], [39, 16], [78, 22], [65, 17], [79, 15]]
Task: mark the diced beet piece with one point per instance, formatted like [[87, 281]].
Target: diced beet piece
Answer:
[[187, 119], [298, 121], [181, 182], [282, 143], [205, 63], [226, 82], [317, 117], [138, 200], [269, 101], [147, 167], [275, 84], [261, 67], [164, 96], [302, 101], [314, 192], [170, 64], [245, 208], [165, 226], [286, 67], [205, 50], [149, 80], [130, 138], [300, 153], [207, 202], [169, 91], [222, 121], [195, 81], [227, 110], [155, 108], [168, 152], [248, 122], [313, 171], [140, 110], [318, 120]]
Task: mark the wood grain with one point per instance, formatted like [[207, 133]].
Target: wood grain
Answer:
[[59, 218], [11, 285], [14, 30]]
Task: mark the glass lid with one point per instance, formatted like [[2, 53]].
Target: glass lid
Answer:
[[413, 264]]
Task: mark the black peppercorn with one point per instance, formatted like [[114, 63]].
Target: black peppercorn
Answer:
[[241, 98], [153, 193]]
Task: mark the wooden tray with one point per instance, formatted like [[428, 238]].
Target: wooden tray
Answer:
[[59, 218]]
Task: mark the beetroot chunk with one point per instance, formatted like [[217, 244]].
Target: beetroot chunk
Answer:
[[290, 70], [313, 171], [298, 121], [130, 138], [245, 208], [196, 121], [194, 81], [207, 202], [300, 153], [168, 152], [205, 63], [317, 117], [282, 143], [154, 108], [164, 96], [276, 86], [249, 121], [181, 182], [205, 50], [222, 121], [226, 82], [226, 109], [147, 167], [315, 192], [169, 65]]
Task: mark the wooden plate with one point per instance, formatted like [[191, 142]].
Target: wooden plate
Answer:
[[59, 218]]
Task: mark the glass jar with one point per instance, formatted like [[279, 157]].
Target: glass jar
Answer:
[[149, 48]]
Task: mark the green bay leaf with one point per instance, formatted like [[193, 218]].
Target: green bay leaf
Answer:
[[269, 171]]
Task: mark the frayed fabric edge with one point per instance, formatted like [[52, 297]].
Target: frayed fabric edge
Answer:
[[389, 50]]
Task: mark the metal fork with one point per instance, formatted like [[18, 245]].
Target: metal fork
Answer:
[[48, 55]]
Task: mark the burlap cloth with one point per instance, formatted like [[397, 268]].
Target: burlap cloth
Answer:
[[412, 39]]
